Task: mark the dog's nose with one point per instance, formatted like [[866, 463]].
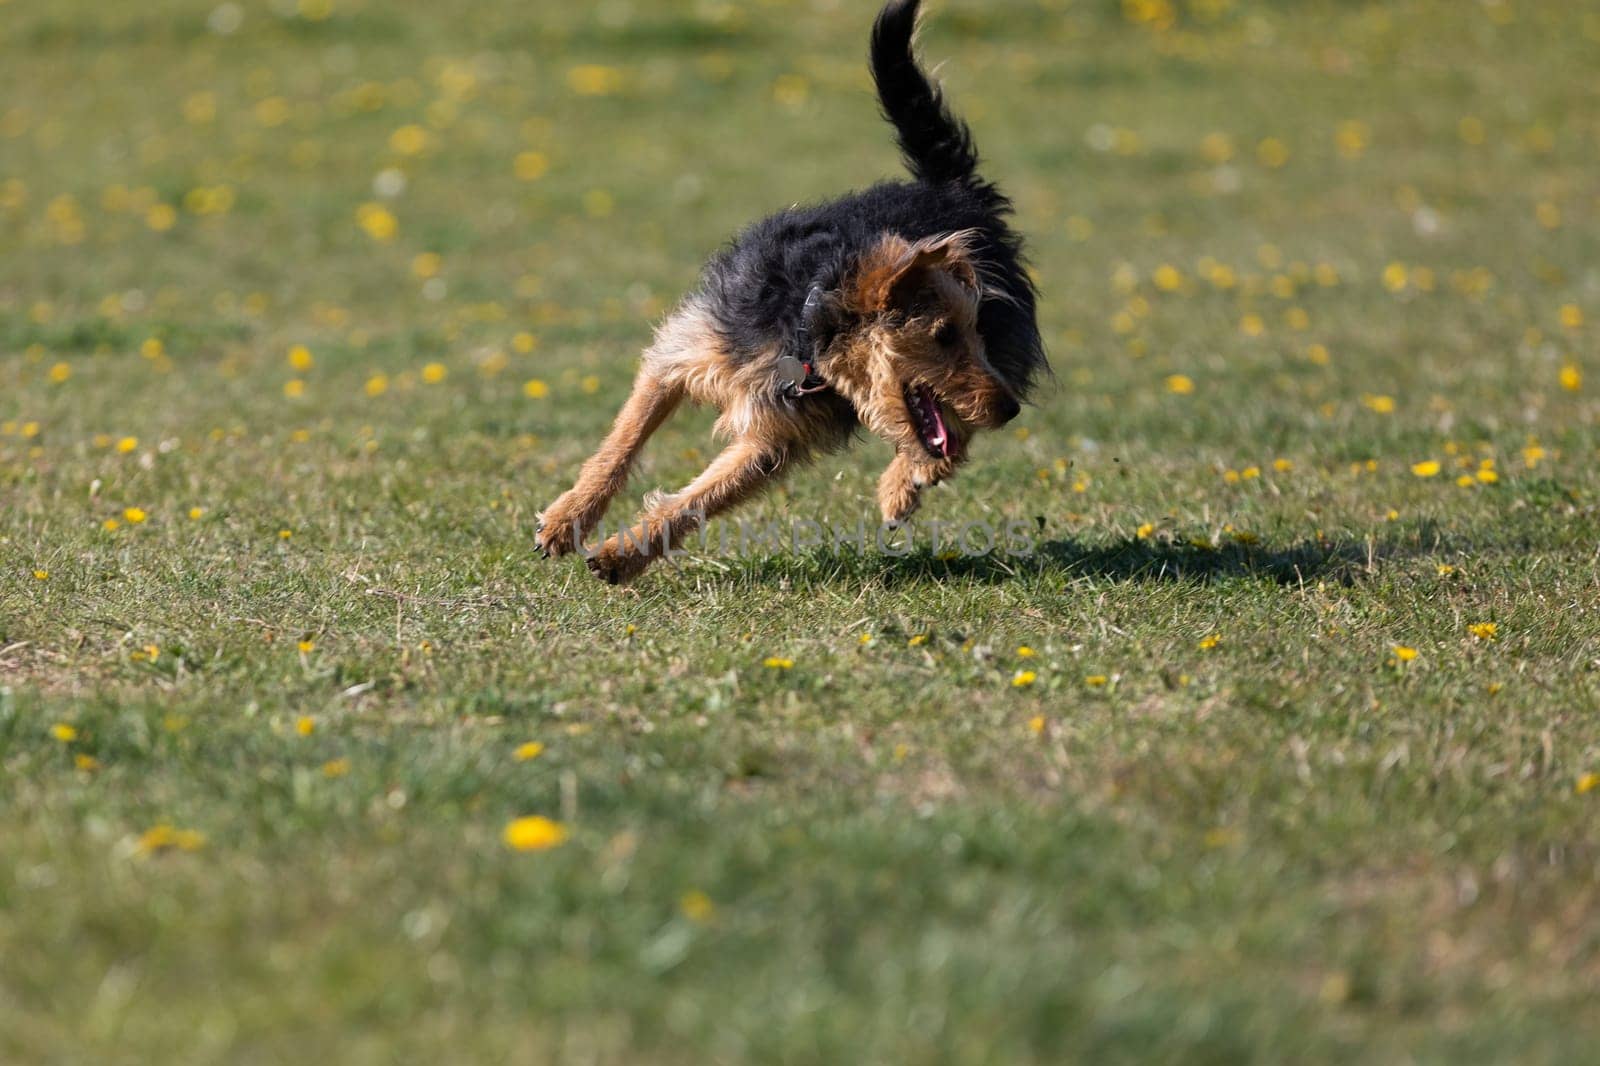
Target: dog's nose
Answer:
[[1009, 409]]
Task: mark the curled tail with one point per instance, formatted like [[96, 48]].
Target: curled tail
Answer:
[[937, 146]]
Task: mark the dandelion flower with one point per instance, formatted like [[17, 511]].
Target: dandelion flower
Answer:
[[134, 515], [1484, 630], [696, 906], [305, 725], [1403, 653], [336, 768], [1587, 783], [1571, 377], [300, 358], [433, 373], [1426, 468], [1096, 680], [917, 641], [85, 762], [1210, 641], [1025, 652], [534, 389], [377, 385], [526, 751], [1036, 724], [1023, 678], [534, 833], [1180, 384], [164, 837], [1145, 530], [127, 444], [777, 663], [64, 732], [41, 575], [60, 372]]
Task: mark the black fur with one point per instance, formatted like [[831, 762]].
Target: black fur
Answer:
[[756, 288]]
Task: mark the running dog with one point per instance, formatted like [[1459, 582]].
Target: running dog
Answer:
[[905, 308]]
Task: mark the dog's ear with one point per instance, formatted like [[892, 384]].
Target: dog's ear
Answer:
[[895, 270]]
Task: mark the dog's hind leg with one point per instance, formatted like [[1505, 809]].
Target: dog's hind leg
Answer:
[[564, 524], [743, 469]]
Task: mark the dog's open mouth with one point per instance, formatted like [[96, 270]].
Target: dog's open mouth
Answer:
[[929, 420]]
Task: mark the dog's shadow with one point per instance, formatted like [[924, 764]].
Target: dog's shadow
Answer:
[[1130, 559]]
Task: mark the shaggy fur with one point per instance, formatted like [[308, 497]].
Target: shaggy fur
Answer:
[[909, 301]]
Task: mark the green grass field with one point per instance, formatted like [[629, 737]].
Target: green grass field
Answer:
[[1282, 745]]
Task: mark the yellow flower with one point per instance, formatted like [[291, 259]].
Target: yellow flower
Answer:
[[307, 646], [60, 372], [777, 663], [161, 217], [534, 389], [305, 725], [697, 906], [378, 221], [1404, 654], [41, 575], [410, 139], [1571, 316], [85, 762], [1179, 384], [1146, 530], [1383, 405], [1484, 630], [377, 385], [917, 641], [134, 515], [1025, 652], [1210, 641], [1426, 468], [1571, 377], [434, 373], [64, 732], [127, 444], [1394, 277], [1252, 325], [164, 837], [1036, 724], [594, 80], [1445, 569], [864, 639], [530, 166], [1587, 783], [1282, 466], [300, 358], [285, 534], [335, 767], [294, 388], [529, 750], [1023, 678], [111, 525], [1272, 153], [523, 342], [534, 833], [1096, 680]]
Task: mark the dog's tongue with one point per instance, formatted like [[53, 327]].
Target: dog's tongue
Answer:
[[941, 434]]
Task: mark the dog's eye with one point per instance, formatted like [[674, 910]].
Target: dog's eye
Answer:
[[947, 335]]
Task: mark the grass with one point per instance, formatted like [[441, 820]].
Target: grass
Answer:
[[1291, 255]]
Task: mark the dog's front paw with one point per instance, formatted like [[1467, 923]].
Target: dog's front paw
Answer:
[[611, 564], [558, 532]]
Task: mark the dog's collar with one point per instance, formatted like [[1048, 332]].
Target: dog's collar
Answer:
[[799, 373]]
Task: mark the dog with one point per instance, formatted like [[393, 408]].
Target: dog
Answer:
[[906, 309]]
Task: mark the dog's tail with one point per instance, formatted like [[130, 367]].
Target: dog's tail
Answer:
[[937, 146]]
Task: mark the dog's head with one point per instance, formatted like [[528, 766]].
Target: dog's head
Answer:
[[909, 356]]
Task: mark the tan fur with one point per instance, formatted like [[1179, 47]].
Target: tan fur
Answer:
[[903, 295]]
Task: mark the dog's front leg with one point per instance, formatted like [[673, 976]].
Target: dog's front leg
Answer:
[[909, 472], [743, 469]]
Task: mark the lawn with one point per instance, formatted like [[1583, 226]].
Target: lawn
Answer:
[[1280, 744]]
